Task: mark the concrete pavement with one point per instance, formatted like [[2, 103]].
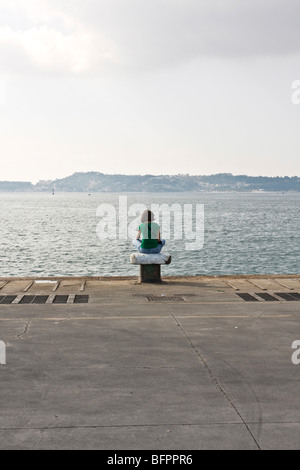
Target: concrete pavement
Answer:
[[201, 369]]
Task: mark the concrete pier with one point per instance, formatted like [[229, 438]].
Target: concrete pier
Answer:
[[109, 363]]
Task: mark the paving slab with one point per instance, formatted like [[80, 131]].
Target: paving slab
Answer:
[[158, 437], [123, 372]]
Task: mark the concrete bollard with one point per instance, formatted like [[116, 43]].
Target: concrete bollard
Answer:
[[150, 271]]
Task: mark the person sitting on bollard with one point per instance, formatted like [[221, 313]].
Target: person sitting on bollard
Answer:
[[149, 231]]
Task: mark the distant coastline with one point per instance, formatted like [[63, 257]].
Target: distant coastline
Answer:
[[100, 182]]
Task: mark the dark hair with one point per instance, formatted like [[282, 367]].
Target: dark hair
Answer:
[[147, 216]]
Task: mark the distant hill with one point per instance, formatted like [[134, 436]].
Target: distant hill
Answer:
[[100, 182], [15, 186]]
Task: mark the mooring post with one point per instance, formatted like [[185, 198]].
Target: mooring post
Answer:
[[150, 264], [150, 273]]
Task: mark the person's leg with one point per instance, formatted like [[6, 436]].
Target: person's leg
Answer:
[[145, 251], [137, 243], [160, 245], [150, 251]]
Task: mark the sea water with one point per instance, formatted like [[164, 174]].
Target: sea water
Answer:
[[56, 235]]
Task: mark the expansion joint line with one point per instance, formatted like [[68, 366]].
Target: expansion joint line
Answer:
[[214, 378], [25, 331]]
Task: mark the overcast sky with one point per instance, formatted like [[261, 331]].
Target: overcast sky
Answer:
[[148, 86]]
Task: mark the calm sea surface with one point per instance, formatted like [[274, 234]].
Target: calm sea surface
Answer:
[[244, 233]]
